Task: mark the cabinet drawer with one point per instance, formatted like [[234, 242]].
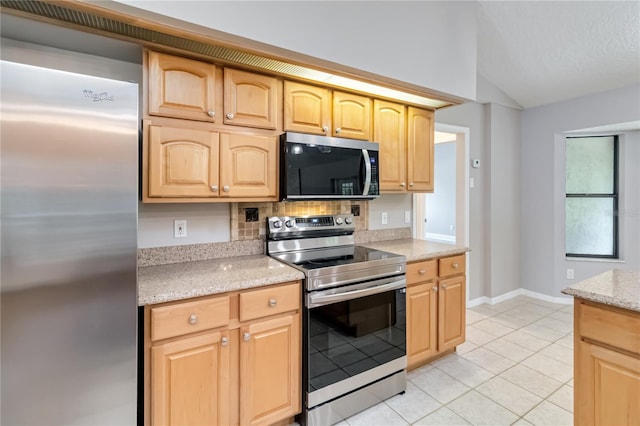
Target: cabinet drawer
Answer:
[[612, 327], [421, 271], [452, 265], [189, 317], [269, 301]]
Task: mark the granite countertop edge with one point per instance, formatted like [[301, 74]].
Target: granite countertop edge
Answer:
[[616, 288], [180, 281]]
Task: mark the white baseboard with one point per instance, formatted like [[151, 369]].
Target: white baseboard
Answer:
[[518, 292], [440, 238]]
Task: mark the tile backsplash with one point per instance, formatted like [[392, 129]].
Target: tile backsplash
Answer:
[[244, 225]]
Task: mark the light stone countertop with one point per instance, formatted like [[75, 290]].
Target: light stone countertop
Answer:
[[615, 288], [415, 250], [177, 281]]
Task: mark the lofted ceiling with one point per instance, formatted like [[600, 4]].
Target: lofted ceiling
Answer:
[[540, 52]]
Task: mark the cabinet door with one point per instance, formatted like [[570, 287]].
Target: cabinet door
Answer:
[[248, 166], [182, 162], [307, 108], [190, 381], [250, 100], [420, 150], [351, 116], [422, 305], [607, 388], [181, 88], [451, 312], [270, 370], [389, 131]]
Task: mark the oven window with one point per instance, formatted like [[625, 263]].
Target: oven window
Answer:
[[350, 337]]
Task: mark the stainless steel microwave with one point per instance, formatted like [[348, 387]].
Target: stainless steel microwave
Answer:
[[316, 167]]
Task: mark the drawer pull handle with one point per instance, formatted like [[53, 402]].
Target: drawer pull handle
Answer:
[[454, 265], [434, 288], [422, 271], [246, 337], [193, 319], [273, 302], [224, 341], [211, 113]]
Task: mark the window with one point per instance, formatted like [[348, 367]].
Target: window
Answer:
[[591, 206]]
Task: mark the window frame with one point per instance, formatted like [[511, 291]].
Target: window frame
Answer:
[[615, 195]]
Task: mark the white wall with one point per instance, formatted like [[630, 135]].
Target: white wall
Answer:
[[404, 40], [542, 259], [395, 206], [441, 204], [206, 223]]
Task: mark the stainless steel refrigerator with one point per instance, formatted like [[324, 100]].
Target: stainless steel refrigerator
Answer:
[[69, 185]]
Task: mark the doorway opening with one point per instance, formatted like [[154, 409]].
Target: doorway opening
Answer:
[[443, 216]]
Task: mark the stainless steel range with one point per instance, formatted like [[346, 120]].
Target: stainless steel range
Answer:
[[354, 334]]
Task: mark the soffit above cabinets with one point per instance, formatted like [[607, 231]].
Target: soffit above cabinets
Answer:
[[91, 17]]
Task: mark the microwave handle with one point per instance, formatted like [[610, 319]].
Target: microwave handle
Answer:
[[367, 171]]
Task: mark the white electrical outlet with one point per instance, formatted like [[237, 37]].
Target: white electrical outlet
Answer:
[[570, 274], [385, 218], [407, 216], [179, 228]]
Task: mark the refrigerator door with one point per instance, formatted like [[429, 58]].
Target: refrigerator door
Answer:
[[69, 185]]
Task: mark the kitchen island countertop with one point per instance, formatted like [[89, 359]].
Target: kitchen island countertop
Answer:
[[178, 281], [415, 250], [616, 288]]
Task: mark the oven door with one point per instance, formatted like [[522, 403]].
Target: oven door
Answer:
[[355, 335]]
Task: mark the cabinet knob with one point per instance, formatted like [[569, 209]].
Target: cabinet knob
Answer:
[[454, 265], [214, 188], [444, 286], [211, 113], [230, 116], [273, 302], [434, 288], [338, 129], [224, 341], [246, 337], [226, 188], [325, 129], [411, 184], [193, 319], [422, 271], [403, 184]]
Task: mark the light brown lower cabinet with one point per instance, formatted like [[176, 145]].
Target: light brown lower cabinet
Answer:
[[436, 307], [211, 361], [606, 365]]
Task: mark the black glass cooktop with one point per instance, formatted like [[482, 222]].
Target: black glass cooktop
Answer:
[[335, 256]]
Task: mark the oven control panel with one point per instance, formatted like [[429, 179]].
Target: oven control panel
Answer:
[[339, 223]]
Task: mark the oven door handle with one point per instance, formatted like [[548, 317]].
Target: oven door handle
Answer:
[[322, 298]]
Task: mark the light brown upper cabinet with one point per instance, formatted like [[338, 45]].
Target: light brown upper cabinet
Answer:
[[389, 130], [419, 150], [181, 88], [251, 100], [307, 108], [351, 116], [184, 164]]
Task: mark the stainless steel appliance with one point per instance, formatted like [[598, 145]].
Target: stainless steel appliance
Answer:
[[69, 185], [354, 333], [320, 167]]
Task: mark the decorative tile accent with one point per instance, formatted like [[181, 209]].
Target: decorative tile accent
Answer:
[[241, 229]]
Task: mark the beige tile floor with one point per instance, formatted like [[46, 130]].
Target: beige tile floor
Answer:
[[516, 368]]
